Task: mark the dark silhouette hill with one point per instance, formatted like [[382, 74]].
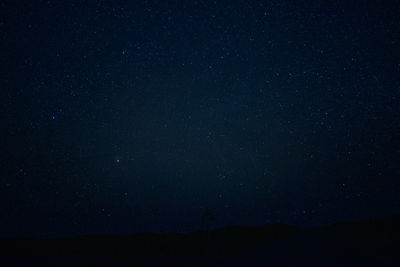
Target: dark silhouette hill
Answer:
[[365, 243]]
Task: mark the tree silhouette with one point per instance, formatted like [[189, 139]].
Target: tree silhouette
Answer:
[[206, 220]]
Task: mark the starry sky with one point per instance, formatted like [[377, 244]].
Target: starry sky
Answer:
[[126, 116]]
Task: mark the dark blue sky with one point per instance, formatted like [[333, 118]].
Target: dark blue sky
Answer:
[[122, 117]]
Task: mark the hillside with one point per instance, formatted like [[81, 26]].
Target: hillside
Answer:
[[363, 243]]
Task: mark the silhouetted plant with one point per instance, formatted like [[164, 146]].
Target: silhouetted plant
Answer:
[[206, 220]]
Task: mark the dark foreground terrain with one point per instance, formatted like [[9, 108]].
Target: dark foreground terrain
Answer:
[[367, 243]]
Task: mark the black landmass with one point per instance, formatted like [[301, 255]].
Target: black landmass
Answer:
[[365, 243]]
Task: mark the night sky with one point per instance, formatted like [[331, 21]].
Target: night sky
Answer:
[[126, 116]]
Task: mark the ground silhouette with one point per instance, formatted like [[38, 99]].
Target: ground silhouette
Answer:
[[364, 243]]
